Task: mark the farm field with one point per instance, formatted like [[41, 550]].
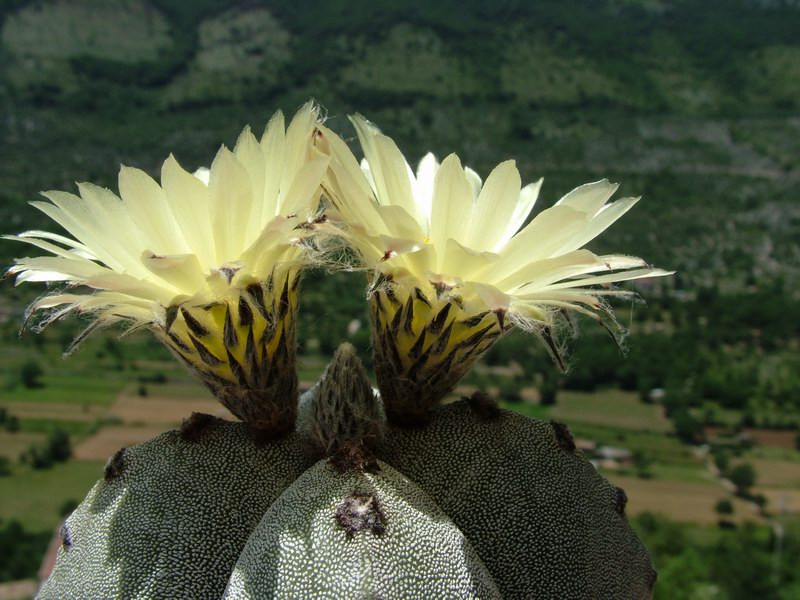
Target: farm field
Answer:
[[36, 497], [610, 408], [104, 443], [55, 411], [164, 406], [679, 484], [681, 501], [14, 444], [783, 474]]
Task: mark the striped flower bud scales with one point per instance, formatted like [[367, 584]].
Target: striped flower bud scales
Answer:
[[454, 266], [209, 262]]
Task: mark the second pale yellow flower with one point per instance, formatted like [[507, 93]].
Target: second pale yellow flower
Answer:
[[455, 266]]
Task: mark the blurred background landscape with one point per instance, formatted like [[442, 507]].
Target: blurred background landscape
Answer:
[[693, 105]]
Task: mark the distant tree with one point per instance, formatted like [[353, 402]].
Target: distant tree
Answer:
[[645, 386], [683, 576], [642, 463], [58, 446], [761, 500], [157, 377], [743, 476], [548, 390], [721, 459], [508, 390], [662, 537], [58, 449], [30, 374], [37, 457], [724, 507], [581, 377], [687, 427], [12, 423], [113, 348], [329, 338], [142, 391], [740, 563], [20, 551]]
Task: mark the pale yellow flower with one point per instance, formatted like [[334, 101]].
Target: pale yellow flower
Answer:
[[455, 264], [209, 262]]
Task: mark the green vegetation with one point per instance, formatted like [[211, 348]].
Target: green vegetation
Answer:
[[30, 375], [738, 564], [724, 507], [57, 450], [44, 492], [8, 421], [19, 550], [691, 105], [611, 407], [743, 477]]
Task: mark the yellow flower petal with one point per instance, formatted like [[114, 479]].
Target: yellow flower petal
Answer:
[[494, 208], [452, 203]]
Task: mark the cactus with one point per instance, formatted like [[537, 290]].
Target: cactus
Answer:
[[171, 516], [477, 503], [357, 535], [344, 492], [542, 519]]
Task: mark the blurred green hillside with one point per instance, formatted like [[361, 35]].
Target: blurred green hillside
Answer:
[[693, 105]]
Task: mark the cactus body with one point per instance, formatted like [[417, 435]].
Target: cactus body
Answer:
[[357, 535], [477, 503], [541, 518], [172, 515]]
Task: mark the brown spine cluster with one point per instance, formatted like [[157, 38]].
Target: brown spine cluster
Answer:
[[361, 512]]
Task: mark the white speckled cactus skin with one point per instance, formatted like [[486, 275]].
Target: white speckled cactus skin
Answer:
[[299, 551], [171, 516], [544, 522], [477, 503]]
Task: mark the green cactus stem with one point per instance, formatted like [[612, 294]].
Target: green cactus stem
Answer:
[[477, 503], [545, 523], [172, 515]]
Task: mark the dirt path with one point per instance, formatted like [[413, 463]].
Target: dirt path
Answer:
[[141, 419], [18, 590], [681, 501]]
